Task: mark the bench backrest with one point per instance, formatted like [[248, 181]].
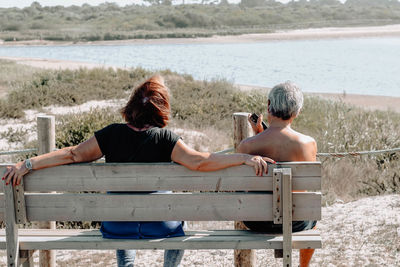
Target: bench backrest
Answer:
[[204, 196]]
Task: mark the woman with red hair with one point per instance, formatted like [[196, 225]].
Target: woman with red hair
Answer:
[[142, 138]]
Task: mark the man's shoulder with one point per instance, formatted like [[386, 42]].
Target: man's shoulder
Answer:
[[246, 145], [308, 147], [306, 139]]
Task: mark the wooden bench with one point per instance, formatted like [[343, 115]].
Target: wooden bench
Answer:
[[204, 196]]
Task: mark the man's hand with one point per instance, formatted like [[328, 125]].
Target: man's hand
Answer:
[[257, 127]]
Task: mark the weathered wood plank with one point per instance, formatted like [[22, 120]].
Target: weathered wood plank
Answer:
[[73, 184], [287, 216], [195, 241], [53, 239], [46, 133], [2, 206], [94, 232], [277, 196], [300, 168], [19, 203], [159, 207], [12, 243], [151, 183], [187, 242], [163, 176]]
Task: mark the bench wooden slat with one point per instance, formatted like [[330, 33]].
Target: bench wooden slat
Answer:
[[94, 232], [2, 208], [163, 176], [221, 239], [12, 242], [151, 183], [161, 207]]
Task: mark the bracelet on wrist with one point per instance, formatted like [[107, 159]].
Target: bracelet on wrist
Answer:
[[28, 165]]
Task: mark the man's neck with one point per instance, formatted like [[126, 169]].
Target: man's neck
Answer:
[[278, 123]]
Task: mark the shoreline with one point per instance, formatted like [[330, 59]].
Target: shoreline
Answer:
[[281, 35], [368, 102]]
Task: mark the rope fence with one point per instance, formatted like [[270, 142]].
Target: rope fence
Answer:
[[337, 154], [359, 153], [22, 151], [230, 150]]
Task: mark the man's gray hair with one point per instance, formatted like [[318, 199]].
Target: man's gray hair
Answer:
[[286, 100]]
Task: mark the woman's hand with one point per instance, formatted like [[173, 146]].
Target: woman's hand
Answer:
[[84, 152], [257, 127], [259, 163], [15, 173]]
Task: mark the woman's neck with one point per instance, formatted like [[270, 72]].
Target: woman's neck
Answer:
[[145, 128]]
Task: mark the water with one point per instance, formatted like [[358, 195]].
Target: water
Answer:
[[368, 66]]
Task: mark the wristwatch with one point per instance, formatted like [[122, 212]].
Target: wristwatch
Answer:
[[28, 164]]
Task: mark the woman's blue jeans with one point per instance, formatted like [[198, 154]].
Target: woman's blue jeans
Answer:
[[126, 258]]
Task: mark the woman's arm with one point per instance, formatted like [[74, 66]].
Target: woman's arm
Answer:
[[204, 161], [84, 152]]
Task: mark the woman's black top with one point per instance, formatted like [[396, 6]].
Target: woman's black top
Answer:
[[120, 143]]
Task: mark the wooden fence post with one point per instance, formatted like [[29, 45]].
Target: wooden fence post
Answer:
[[241, 130], [46, 143]]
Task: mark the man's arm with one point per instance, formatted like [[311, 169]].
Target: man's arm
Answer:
[[257, 127], [244, 147]]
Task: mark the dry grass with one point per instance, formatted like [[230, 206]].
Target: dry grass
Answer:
[[12, 73]]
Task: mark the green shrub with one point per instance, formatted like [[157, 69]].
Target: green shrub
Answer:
[[70, 87], [76, 128], [132, 21], [12, 27], [38, 25], [14, 135]]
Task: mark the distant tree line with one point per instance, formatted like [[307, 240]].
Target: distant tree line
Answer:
[[160, 19]]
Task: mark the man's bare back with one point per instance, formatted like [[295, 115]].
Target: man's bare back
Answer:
[[281, 143]]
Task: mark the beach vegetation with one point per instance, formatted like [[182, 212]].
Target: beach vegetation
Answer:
[[109, 21]]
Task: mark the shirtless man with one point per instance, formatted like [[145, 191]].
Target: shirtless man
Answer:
[[281, 143]]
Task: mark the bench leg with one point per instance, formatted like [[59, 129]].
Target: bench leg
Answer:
[[287, 216], [244, 257], [305, 256], [26, 258], [278, 253]]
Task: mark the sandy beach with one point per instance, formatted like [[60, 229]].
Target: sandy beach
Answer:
[[367, 102], [302, 34]]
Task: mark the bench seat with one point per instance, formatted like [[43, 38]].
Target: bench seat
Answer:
[[65, 239]]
